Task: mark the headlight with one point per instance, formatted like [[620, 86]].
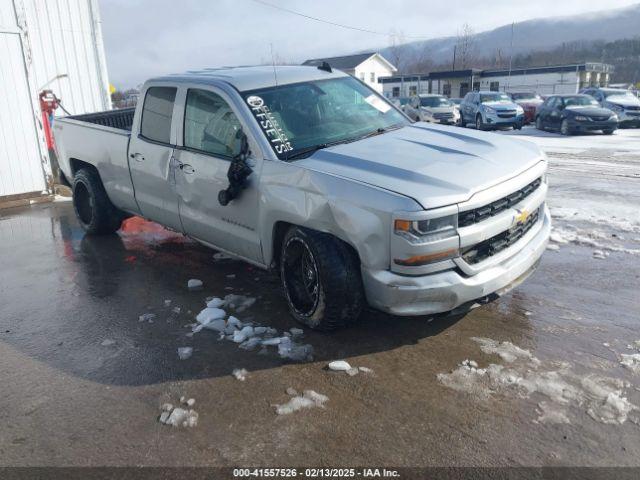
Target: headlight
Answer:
[[614, 117], [489, 110], [424, 231], [519, 110], [617, 108], [581, 118]]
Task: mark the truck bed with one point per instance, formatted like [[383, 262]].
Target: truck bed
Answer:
[[121, 119]]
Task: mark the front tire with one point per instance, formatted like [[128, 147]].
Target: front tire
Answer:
[[479, 122], [95, 212], [608, 132], [539, 124], [321, 279], [564, 128]]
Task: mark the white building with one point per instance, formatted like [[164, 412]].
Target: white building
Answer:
[[44, 44], [543, 80], [368, 67]]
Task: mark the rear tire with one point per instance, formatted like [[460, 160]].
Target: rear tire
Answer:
[[95, 212], [321, 279]]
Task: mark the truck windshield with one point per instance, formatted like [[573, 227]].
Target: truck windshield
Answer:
[[301, 117]]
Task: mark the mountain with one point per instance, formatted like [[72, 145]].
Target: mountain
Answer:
[[530, 35]]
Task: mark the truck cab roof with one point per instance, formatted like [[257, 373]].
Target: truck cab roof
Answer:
[[252, 77]]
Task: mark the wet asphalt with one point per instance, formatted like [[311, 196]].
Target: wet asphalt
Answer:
[[67, 399]]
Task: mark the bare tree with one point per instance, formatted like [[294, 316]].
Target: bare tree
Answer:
[[465, 47], [397, 49]]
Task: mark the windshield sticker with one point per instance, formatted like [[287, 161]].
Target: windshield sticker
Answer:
[[269, 124], [377, 103]]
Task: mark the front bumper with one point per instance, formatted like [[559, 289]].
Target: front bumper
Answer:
[[627, 119], [497, 121], [445, 291], [591, 126]]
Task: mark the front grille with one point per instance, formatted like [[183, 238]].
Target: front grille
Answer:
[[633, 109], [507, 114], [599, 119], [482, 213], [483, 250], [443, 116]]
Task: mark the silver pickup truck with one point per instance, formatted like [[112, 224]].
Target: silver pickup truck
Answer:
[[308, 171]]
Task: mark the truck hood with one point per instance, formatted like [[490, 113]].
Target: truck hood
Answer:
[[502, 105], [439, 109], [434, 165]]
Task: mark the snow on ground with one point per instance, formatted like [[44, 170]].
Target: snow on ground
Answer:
[[602, 398], [308, 399], [179, 416], [240, 374]]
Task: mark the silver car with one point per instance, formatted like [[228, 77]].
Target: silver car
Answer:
[[490, 110], [622, 102], [432, 108]]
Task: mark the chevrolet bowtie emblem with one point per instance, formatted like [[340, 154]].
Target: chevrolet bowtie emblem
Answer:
[[521, 216]]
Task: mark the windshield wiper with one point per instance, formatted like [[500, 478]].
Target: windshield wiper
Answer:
[[306, 151]]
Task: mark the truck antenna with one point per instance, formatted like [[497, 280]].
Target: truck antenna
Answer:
[[273, 64]]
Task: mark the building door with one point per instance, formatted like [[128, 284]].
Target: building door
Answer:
[[21, 169]]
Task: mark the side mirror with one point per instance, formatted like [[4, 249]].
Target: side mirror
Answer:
[[238, 171]]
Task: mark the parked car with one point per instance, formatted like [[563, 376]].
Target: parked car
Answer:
[[622, 102], [400, 102], [428, 107], [575, 113], [319, 178], [490, 110], [529, 102]]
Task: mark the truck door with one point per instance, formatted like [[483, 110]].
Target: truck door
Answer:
[[208, 138], [151, 158]]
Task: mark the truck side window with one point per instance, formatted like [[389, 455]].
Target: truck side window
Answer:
[[156, 114], [209, 123]]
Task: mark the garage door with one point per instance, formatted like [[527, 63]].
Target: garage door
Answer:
[[20, 157]]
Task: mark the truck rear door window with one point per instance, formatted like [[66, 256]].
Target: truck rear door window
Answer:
[[156, 114], [209, 123]]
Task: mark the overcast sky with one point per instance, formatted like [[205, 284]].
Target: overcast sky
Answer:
[[144, 38]]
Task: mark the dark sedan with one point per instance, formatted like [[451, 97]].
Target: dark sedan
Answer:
[[575, 114]]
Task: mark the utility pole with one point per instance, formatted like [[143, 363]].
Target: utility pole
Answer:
[[510, 56], [453, 66]]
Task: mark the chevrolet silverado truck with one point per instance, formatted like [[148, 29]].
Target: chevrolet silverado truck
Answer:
[[311, 173]]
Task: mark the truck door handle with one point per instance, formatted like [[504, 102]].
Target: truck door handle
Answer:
[[186, 168], [137, 157]]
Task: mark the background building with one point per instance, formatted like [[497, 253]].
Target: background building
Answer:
[[542, 80], [368, 67], [44, 45]]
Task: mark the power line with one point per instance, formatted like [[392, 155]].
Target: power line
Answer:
[[322, 20]]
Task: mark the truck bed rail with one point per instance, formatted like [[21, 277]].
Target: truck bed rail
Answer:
[[121, 119]]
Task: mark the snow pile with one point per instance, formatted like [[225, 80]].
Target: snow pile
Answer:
[[178, 416], [343, 366], [602, 242], [240, 374], [594, 213], [308, 399], [525, 375], [249, 335], [185, 352], [631, 361]]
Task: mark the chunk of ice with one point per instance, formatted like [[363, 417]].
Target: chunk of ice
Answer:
[[296, 331], [185, 352], [107, 342], [146, 317], [215, 302], [308, 399], [167, 303], [271, 341], [210, 314], [194, 284], [217, 325], [240, 374], [339, 366]]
